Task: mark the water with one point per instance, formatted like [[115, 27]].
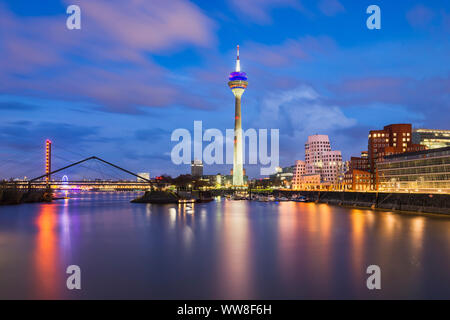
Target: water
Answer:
[[220, 250]]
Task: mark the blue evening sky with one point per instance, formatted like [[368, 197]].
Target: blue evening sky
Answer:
[[137, 70]]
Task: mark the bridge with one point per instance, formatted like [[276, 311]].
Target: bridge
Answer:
[[44, 181]]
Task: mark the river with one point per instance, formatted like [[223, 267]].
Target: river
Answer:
[[220, 250]]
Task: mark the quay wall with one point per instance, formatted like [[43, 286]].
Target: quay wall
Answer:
[[417, 202], [10, 196]]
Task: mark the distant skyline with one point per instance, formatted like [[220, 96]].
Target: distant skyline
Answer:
[[137, 70]]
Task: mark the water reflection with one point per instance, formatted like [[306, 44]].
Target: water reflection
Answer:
[[358, 220], [288, 227], [220, 250], [46, 254], [235, 256]]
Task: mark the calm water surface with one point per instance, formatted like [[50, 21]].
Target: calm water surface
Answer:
[[219, 250]]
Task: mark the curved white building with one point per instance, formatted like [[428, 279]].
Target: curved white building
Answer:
[[319, 160]]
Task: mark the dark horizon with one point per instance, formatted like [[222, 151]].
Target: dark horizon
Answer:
[[117, 90]]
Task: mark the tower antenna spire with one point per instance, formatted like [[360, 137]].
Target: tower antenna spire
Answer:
[[238, 62]]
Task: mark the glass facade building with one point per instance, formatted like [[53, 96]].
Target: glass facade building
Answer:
[[197, 168], [422, 171], [431, 138]]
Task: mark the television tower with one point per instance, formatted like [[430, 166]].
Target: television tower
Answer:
[[238, 83]]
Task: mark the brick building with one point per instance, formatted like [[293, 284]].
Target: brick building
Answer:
[[392, 139]]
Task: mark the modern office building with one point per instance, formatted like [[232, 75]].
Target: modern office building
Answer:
[[214, 180], [283, 176], [357, 180], [421, 171], [145, 175], [299, 171], [360, 163], [196, 168], [238, 83], [431, 138], [392, 139], [310, 182], [320, 159]]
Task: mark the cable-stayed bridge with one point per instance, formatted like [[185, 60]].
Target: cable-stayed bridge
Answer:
[[104, 180]]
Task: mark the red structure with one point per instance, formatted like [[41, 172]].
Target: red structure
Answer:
[[393, 139], [48, 159], [360, 163], [358, 177], [357, 180]]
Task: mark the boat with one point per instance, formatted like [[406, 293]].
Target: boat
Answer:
[[240, 197], [262, 198], [300, 199]]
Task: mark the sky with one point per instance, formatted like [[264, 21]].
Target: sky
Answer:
[[139, 69]]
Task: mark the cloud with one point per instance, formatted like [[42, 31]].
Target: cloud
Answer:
[[290, 51], [420, 16], [109, 61], [298, 113], [26, 135], [259, 10], [150, 25], [421, 98], [8, 106], [331, 7], [396, 90], [150, 134]]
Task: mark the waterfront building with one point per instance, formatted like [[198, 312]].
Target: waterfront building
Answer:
[[357, 180], [392, 139], [220, 180], [346, 166], [283, 176], [261, 183], [431, 138], [320, 159], [359, 163], [214, 180], [238, 83], [299, 170], [196, 168], [420, 171], [311, 182], [145, 175]]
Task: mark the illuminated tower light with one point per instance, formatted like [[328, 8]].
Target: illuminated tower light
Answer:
[[48, 159], [238, 83]]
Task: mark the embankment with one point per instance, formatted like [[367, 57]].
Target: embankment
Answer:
[[160, 197], [17, 196], [417, 202]]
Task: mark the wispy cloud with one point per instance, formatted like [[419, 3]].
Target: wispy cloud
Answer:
[[109, 60], [300, 112], [259, 11], [331, 7], [420, 16], [290, 51]]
